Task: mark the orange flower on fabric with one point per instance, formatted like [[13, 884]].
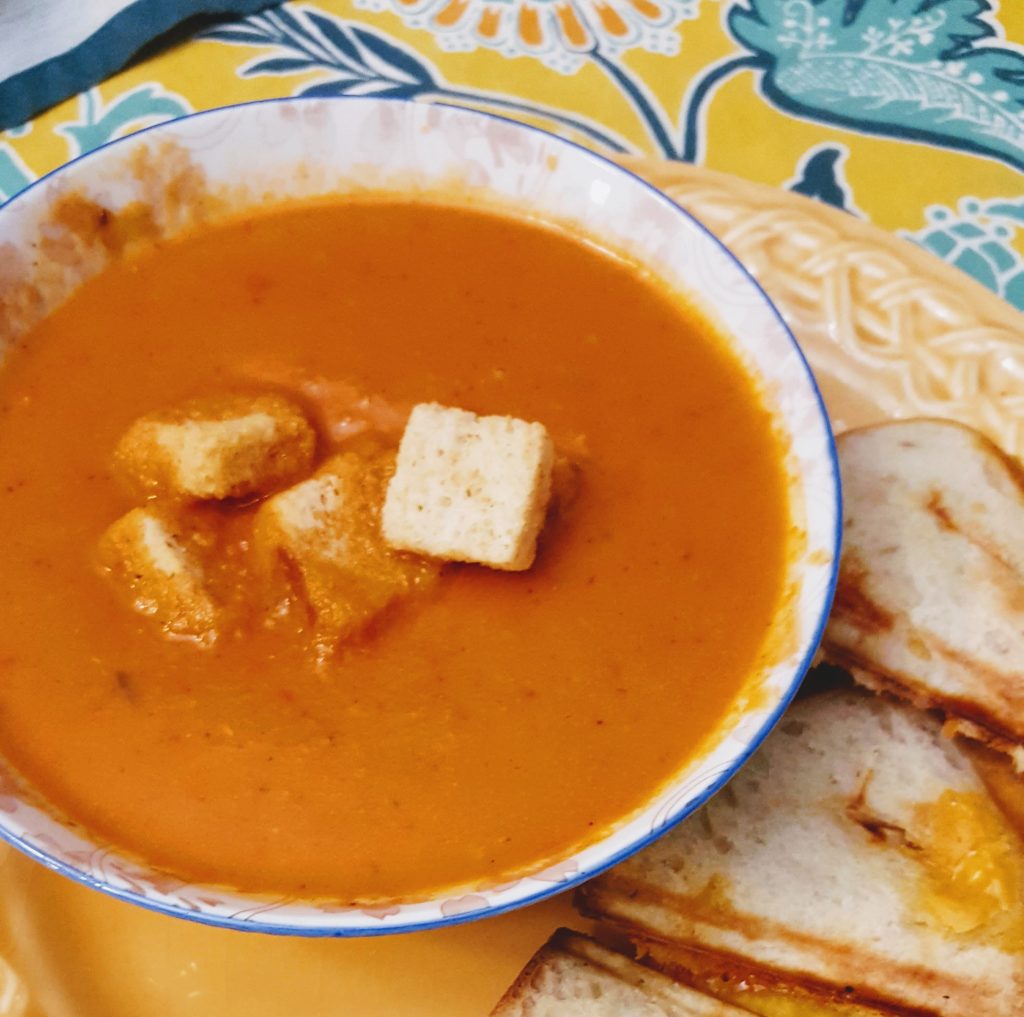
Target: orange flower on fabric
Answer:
[[558, 32]]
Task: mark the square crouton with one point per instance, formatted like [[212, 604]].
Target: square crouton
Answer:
[[221, 447], [469, 488], [323, 537], [152, 564]]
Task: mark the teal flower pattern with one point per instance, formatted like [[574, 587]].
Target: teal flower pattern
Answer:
[[978, 238], [139, 107], [921, 69], [14, 174]]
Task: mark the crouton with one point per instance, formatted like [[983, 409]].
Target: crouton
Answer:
[[220, 447], [154, 565], [469, 488], [323, 537]]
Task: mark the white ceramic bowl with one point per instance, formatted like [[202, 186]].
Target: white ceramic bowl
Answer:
[[247, 155]]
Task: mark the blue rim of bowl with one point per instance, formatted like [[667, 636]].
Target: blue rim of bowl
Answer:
[[353, 932]]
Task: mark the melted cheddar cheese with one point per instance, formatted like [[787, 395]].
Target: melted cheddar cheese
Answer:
[[972, 878], [776, 1003], [703, 972]]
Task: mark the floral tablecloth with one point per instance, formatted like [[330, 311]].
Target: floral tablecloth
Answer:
[[909, 113]]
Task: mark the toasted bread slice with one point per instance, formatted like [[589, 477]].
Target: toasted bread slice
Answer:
[[857, 857], [574, 976], [930, 603]]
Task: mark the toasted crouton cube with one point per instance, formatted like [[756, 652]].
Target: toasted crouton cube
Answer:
[[221, 447], [148, 559], [324, 534], [469, 488]]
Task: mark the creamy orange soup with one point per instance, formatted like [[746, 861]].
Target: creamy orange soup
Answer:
[[493, 724]]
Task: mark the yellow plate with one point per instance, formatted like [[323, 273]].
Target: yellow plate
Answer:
[[890, 331]]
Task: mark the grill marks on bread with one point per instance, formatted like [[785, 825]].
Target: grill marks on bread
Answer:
[[930, 602], [861, 850]]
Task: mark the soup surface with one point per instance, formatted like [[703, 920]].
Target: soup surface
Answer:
[[499, 721]]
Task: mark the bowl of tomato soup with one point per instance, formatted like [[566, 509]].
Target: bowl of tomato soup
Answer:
[[283, 747]]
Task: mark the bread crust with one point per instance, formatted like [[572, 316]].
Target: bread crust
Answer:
[[605, 981]]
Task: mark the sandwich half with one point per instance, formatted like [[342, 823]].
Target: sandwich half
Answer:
[[857, 864], [930, 602], [574, 976]]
